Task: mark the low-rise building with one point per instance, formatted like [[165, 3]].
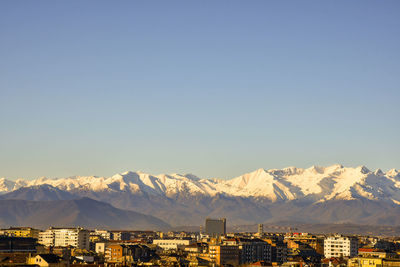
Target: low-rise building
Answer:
[[373, 262], [104, 234], [17, 244], [21, 232], [169, 244], [47, 260], [120, 235], [199, 249], [376, 253], [127, 254], [100, 247], [315, 242], [365, 262]]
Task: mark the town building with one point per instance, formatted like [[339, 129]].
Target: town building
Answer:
[[21, 232], [373, 262], [120, 235], [301, 239], [340, 246], [128, 254], [199, 249], [100, 247], [260, 229], [376, 253], [215, 227], [102, 234], [279, 250], [251, 249], [168, 244], [17, 244], [63, 237], [254, 250], [223, 255], [46, 260]]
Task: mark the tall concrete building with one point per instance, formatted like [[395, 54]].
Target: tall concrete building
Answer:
[[63, 237], [340, 246], [260, 228], [224, 255], [251, 249], [215, 227]]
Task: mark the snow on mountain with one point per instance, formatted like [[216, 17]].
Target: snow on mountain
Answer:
[[316, 184], [6, 185], [262, 183]]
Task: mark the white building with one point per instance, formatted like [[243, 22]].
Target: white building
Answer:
[[340, 246], [118, 235], [172, 243], [104, 234], [46, 238], [63, 237], [100, 247]]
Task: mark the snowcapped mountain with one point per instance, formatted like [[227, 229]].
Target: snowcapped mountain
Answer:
[[315, 184], [320, 184], [333, 193]]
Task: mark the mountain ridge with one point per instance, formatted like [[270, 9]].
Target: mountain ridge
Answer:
[[72, 213], [316, 195], [316, 183]]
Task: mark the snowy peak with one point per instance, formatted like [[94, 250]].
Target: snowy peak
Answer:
[[262, 183], [314, 184], [6, 185], [319, 184], [393, 173], [378, 172], [363, 169]]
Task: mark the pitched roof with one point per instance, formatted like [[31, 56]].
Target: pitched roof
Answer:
[[50, 258]]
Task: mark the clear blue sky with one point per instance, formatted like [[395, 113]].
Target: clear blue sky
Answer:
[[215, 88]]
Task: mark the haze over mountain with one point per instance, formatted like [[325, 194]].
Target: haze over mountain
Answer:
[[39, 192], [72, 213], [333, 194]]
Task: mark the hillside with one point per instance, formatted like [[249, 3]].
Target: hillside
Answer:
[[71, 213]]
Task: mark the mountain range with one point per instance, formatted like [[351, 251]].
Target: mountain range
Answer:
[[333, 194], [70, 213]]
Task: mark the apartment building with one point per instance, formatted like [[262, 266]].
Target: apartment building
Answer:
[[120, 235], [224, 254], [104, 234], [251, 250], [376, 253], [63, 237], [373, 262], [315, 242], [46, 238], [340, 246], [279, 249], [125, 255], [10, 244], [168, 244], [21, 232]]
